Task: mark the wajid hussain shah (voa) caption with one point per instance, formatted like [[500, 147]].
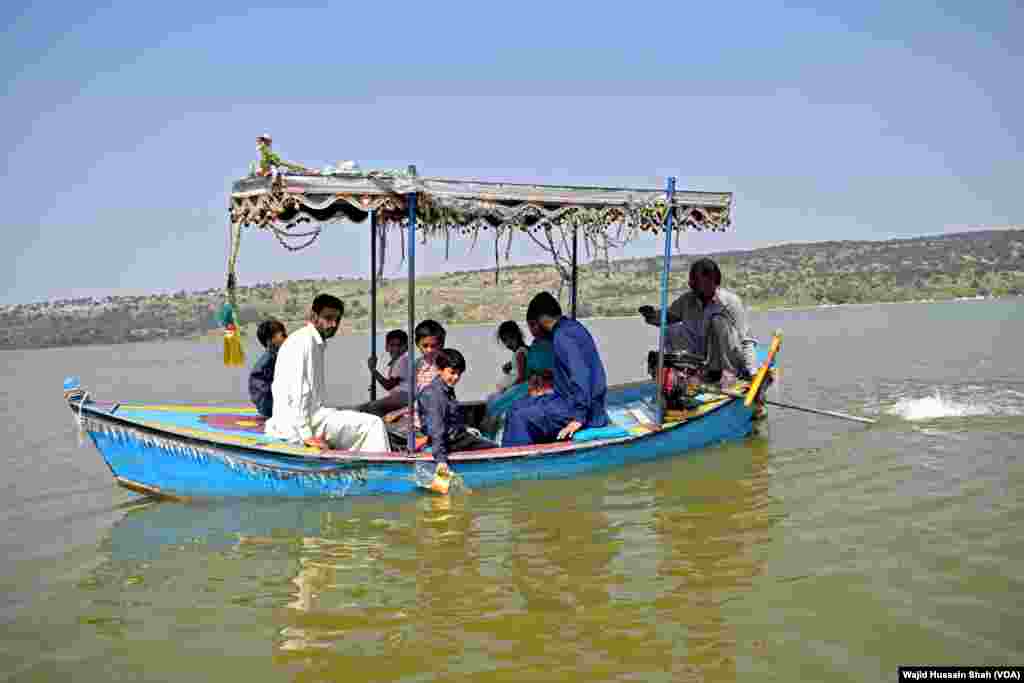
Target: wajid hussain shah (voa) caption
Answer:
[[960, 673]]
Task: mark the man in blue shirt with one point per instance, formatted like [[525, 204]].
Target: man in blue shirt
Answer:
[[578, 400]]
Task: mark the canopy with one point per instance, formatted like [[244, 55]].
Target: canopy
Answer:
[[282, 201], [279, 202]]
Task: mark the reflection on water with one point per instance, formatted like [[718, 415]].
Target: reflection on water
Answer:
[[819, 550], [712, 557], [602, 576]]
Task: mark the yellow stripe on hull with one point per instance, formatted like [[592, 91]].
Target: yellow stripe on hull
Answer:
[[208, 410]]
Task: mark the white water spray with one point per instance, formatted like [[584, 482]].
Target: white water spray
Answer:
[[936, 407]]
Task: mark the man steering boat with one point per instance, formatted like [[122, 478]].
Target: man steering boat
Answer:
[[709, 321]]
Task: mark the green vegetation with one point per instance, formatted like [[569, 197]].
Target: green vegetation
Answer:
[[972, 264]]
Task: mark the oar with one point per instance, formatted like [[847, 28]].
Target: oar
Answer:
[[763, 371], [816, 411]]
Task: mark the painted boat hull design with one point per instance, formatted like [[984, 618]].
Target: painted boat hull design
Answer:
[[212, 452]]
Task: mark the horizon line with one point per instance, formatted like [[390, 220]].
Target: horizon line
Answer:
[[960, 231]]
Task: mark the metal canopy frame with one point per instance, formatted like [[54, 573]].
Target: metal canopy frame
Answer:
[[282, 202]]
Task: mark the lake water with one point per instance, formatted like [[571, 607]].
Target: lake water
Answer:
[[818, 550]]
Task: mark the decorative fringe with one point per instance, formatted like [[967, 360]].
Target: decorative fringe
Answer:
[[164, 452]]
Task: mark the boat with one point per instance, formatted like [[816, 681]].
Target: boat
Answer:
[[189, 451]]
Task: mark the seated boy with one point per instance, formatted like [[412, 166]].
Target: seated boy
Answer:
[[396, 381], [430, 338], [442, 417], [271, 334]]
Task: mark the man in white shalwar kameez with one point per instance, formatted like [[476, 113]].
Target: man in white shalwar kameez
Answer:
[[300, 392]]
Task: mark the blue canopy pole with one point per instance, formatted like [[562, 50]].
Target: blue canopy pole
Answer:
[[670, 192], [412, 320], [572, 297], [373, 298]]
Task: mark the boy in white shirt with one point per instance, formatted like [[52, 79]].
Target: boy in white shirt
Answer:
[[396, 381]]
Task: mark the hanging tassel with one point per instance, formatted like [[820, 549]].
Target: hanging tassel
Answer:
[[234, 356], [233, 353]]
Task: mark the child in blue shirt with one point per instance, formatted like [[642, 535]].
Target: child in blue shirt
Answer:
[[271, 334], [442, 416]]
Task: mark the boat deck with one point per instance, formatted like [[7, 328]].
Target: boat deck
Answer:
[[631, 409]]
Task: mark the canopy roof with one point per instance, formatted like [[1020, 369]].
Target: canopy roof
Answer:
[[282, 201]]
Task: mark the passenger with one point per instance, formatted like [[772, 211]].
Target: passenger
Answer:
[[513, 385], [580, 383], [540, 361], [396, 343], [709, 321], [396, 381], [271, 334], [443, 420], [430, 337], [514, 371], [301, 414], [538, 365]]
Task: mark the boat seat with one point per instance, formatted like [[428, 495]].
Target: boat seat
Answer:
[[596, 433], [399, 439]]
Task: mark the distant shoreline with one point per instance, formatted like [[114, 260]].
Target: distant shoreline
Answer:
[[952, 267], [215, 334]]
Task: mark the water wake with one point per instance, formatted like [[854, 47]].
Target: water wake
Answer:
[[936, 407]]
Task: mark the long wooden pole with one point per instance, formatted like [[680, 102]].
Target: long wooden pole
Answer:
[[670, 192], [762, 372], [819, 411], [804, 409]]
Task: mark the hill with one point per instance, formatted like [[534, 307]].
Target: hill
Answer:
[[988, 263]]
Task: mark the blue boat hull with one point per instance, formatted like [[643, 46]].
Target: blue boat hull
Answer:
[[161, 462]]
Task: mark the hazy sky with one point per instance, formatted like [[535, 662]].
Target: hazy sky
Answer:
[[124, 123]]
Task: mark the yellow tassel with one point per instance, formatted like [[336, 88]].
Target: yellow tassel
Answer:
[[233, 353]]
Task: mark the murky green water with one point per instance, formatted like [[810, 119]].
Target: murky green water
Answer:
[[819, 550]]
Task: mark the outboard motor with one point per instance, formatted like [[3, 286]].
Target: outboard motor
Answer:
[[681, 377]]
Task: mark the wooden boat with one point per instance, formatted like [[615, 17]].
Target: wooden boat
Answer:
[[187, 451]]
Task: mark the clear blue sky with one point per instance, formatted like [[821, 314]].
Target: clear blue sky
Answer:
[[124, 123]]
